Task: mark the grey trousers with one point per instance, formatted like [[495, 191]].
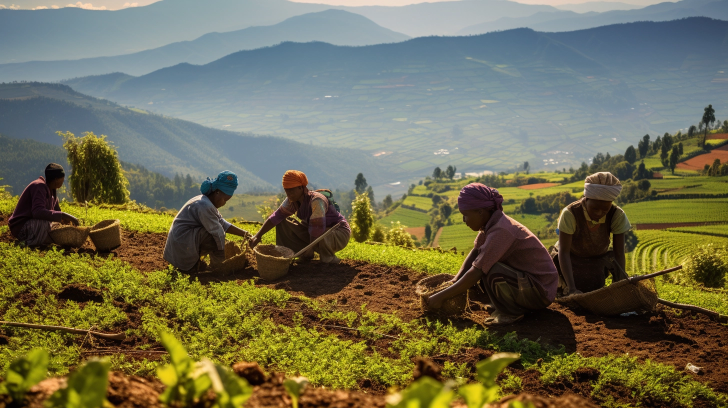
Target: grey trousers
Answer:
[[512, 291], [36, 232], [208, 246], [295, 236]]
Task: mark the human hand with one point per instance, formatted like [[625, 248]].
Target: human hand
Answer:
[[69, 219], [435, 301], [253, 241]]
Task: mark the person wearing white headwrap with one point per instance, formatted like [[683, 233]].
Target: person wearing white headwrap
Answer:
[[586, 228]]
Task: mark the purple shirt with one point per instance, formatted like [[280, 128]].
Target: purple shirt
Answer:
[[37, 202], [315, 211], [505, 240]]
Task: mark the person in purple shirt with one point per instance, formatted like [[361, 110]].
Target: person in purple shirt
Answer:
[[318, 215], [38, 207], [510, 263]]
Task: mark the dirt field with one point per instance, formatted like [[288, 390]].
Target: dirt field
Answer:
[[699, 162], [720, 136], [418, 232], [537, 186], [664, 336]]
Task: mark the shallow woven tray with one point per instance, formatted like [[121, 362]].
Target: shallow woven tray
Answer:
[[273, 261], [106, 235], [437, 283], [233, 264], [69, 236], [617, 298]]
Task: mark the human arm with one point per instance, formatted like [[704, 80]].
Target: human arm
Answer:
[[285, 210], [468, 280], [268, 225], [565, 261], [237, 231], [69, 219], [40, 201], [467, 264], [618, 245]]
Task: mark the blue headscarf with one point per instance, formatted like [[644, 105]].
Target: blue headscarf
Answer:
[[226, 182]]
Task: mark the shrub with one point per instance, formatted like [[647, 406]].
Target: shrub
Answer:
[[398, 235], [362, 217], [708, 266], [379, 234]]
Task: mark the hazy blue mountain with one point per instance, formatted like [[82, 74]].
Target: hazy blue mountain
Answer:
[[598, 6], [73, 33], [332, 26], [168, 146], [444, 18], [553, 22], [479, 102]]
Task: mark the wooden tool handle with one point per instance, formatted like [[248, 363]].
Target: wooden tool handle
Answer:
[[721, 318], [636, 279], [118, 336], [315, 241]]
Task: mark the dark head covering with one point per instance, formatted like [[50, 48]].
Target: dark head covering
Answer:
[[475, 196], [54, 171]]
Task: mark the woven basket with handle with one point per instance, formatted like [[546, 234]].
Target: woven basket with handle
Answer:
[[235, 259], [273, 261], [433, 284], [69, 236], [106, 235], [619, 297]]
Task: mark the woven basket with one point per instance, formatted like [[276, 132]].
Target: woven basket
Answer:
[[106, 235], [273, 261], [231, 250], [437, 283], [617, 298], [69, 236], [234, 264]]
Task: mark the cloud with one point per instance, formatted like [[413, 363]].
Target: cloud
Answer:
[[54, 7], [11, 7], [131, 4], [87, 6], [40, 8]]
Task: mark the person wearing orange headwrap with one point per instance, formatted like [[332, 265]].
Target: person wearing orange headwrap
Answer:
[[317, 213]]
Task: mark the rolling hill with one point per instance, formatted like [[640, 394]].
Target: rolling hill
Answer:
[[36, 111], [570, 20], [479, 102], [331, 26]]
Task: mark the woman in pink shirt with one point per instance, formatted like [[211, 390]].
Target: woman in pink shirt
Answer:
[[510, 263]]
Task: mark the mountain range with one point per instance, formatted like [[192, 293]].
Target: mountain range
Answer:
[[36, 111], [570, 20], [332, 26], [483, 102]]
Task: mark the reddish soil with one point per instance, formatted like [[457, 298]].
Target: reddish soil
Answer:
[[418, 232], [718, 136], [537, 186], [674, 225], [698, 162]]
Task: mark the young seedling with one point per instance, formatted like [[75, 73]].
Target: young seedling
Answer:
[[426, 392], [86, 387], [25, 372], [294, 387]]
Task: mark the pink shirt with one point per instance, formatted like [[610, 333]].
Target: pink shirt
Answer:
[[505, 240]]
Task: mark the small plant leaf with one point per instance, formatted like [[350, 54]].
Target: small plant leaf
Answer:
[[86, 387], [235, 390], [25, 372], [476, 395], [421, 393], [294, 387], [489, 368]]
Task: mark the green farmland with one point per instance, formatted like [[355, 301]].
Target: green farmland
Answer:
[[674, 211]]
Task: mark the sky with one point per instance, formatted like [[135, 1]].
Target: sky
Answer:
[[118, 4]]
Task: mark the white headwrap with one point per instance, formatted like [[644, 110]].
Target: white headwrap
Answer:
[[602, 186]]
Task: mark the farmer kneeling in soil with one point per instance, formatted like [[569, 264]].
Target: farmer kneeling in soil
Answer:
[[38, 207], [317, 213], [199, 229], [510, 263], [585, 230]]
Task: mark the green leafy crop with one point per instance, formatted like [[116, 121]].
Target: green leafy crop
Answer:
[[86, 387], [25, 372]]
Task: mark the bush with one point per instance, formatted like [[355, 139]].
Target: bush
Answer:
[[398, 235], [362, 217], [708, 266], [379, 234]]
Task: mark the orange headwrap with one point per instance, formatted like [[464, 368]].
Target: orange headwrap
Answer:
[[294, 178]]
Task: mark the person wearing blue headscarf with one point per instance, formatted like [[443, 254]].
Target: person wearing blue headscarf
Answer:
[[199, 229]]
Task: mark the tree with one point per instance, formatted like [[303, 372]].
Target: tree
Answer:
[[630, 155], [360, 184], [370, 193], [623, 170], [674, 157], [526, 167], [725, 126], [664, 155], [437, 173], [680, 148], [667, 140], [362, 217], [428, 232], [691, 131], [387, 202], [644, 185], [642, 172], [96, 173], [644, 146], [708, 119], [450, 172], [657, 145]]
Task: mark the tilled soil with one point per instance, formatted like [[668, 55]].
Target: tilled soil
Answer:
[[667, 336]]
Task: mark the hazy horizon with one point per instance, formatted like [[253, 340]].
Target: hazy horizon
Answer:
[[121, 4]]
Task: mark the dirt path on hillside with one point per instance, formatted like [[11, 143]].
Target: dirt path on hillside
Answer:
[[664, 336]]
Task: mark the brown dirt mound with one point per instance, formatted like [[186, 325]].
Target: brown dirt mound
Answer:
[[81, 293], [697, 163], [537, 186]]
